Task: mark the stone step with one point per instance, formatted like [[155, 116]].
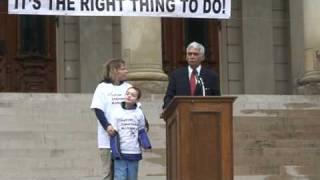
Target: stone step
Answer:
[[30, 145], [269, 165], [265, 165], [67, 138], [275, 123], [256, 177], [38, 153], [246, 144], [250, 170], [9, 163], [243, 177], [285, 153], [48, 123], [276, 112], [47, 136], [157, 135], [296, 170], [276, 135], [80, 178], [46, 105], [41, 144], [51, 103], [44, 127], [292, 132], [47, 173], [293, 172], [53, 178], [156, 155], [16, 125], [152, 178], [44, 117], [41, 133], [152, 165]]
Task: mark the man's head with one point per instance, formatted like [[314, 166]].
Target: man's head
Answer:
[[195, 54]]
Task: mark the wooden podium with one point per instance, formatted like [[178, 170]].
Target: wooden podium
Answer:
[[199, 138]]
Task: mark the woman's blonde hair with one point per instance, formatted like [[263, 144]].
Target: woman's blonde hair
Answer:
[[110, 67]]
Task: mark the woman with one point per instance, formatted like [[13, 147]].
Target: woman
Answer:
[[108, 96]]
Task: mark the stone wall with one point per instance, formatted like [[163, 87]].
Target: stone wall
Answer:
[[272, 133], [53, 136]]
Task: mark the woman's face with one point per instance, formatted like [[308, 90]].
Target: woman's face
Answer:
[[121, 74]]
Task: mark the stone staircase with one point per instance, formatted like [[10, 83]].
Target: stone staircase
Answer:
[[53, 137], [47, 136], [277, 135]]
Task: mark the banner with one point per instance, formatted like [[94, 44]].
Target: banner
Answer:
[[219, 9]]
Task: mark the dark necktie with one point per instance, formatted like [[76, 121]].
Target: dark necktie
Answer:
[[193, 82]]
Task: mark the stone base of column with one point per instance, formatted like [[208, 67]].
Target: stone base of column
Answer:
[[309, 89], [149, 82], [158, 76], [310, 77], [310, 82], [151, 87]]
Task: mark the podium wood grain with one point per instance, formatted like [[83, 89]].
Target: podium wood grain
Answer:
[[199, 138]]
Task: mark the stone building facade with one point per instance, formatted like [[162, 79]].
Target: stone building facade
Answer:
[[266, 47]]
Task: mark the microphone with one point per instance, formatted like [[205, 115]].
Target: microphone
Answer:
[[199, 80]]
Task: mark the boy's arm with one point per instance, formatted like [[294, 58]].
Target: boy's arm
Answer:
[[143, 136], [144, 139]]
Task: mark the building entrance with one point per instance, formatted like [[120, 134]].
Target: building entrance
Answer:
[[27, 52], [177, 33]]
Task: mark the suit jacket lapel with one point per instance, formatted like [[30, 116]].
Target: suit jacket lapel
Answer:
[[203, 74], [185, 80]]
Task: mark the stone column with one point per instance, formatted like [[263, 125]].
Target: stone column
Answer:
[[256, 28], [311, 80], [96, 45], [141, 49]]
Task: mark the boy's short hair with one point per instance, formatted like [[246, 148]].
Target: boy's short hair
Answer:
[[138, 90]]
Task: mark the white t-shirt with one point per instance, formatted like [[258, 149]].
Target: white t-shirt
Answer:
[[128, 122], [107, 97]]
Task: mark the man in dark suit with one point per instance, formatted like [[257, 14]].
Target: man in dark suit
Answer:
[[193, 80]]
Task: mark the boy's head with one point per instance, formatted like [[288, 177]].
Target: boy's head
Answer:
[[133, 95]]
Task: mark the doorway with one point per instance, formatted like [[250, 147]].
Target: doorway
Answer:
[[27, 52], [177, 33]]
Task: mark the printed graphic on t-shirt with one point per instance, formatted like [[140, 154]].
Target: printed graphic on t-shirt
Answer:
[[129, 127], [117, 98]]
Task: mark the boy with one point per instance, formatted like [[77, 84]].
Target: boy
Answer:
[[129, 123]]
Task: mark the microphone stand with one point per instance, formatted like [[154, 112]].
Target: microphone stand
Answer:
[[203, 88], [199, 79]]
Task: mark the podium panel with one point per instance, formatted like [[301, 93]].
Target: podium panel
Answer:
[[199, 138]]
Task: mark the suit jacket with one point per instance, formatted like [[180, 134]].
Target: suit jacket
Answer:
[[179, 84]]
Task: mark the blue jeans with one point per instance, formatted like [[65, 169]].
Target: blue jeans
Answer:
[[125, 170]]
